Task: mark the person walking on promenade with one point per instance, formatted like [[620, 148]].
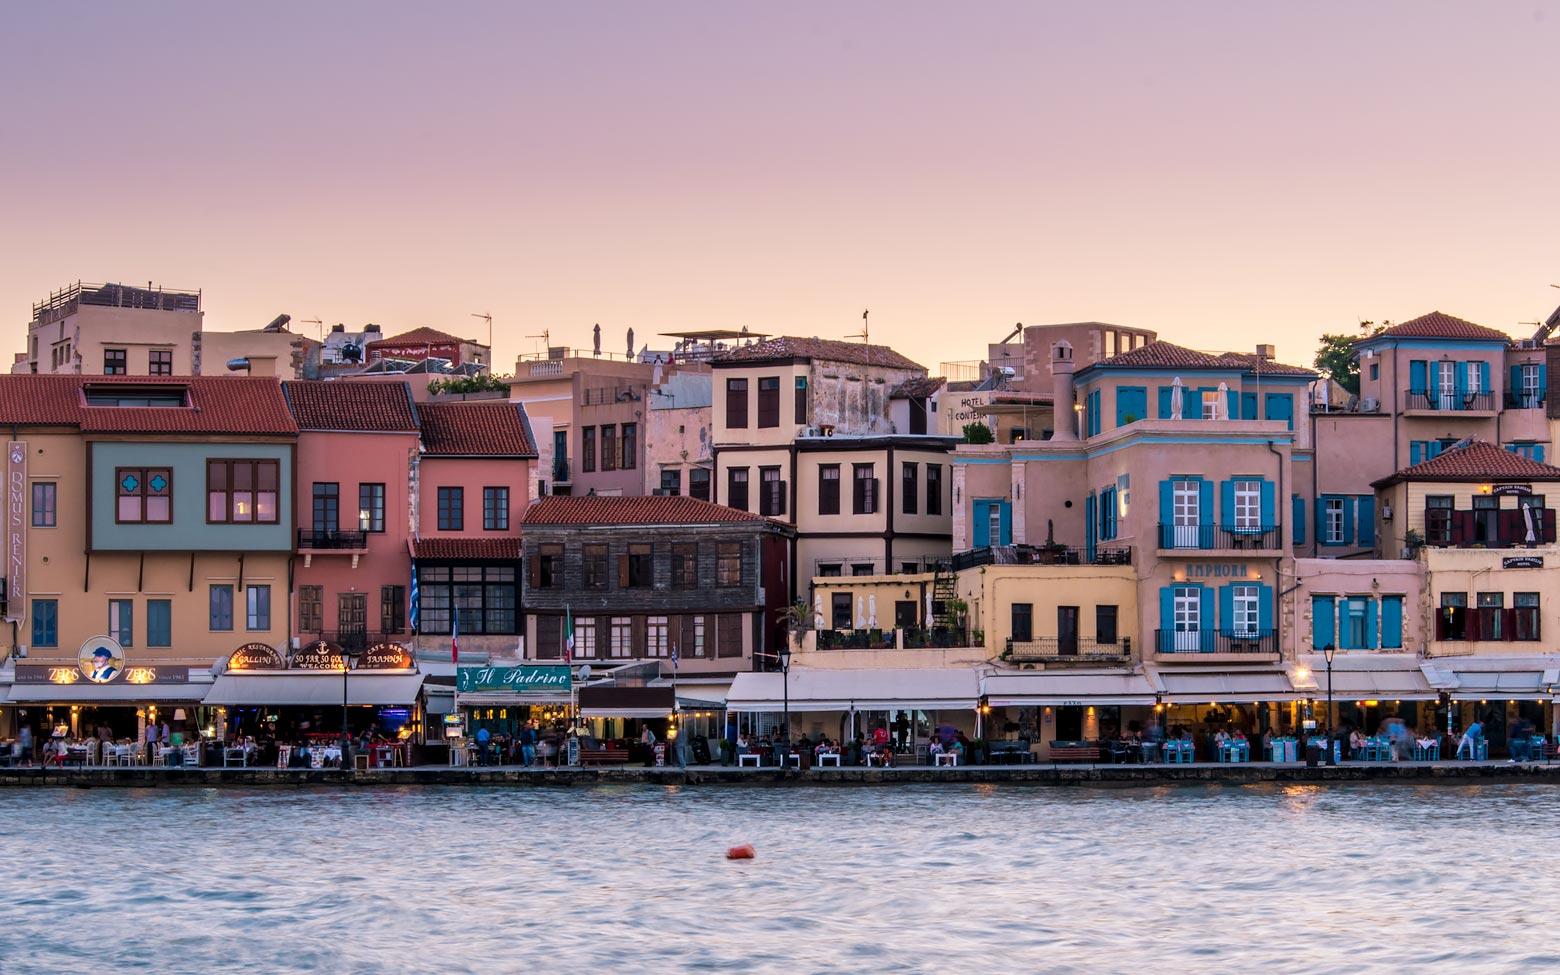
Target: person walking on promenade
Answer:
[[1470, 739]]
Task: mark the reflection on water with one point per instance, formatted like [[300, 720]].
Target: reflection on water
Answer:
[[892, 879]]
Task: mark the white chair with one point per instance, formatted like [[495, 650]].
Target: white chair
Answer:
[[742, 761]]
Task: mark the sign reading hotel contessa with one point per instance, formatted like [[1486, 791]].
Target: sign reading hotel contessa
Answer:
[[524, 680], [16, 529]]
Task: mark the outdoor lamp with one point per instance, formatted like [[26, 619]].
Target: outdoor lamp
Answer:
[[785, 659], [1328, 652]]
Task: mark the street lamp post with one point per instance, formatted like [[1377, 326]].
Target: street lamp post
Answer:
[[1328, 652], [785, 680], [346, 735]]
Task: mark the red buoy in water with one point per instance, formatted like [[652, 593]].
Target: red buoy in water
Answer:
[[743, 852]]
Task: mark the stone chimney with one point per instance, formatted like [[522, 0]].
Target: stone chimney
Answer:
[[1065, 420]]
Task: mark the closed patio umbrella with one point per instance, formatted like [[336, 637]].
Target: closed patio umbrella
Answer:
[[1177, 399], [1529, 517], [818, 611], [872, 622], [861, 614], [1221, 409]]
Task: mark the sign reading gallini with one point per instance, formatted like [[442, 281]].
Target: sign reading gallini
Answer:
[[386, 656], [256, 656], [522, 680], [319, 655]]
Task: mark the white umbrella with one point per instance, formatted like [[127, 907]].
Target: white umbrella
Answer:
[[926, 623], [1221, 409], [1177, 399], [872, 612], [818, 611], [1529, 516], [861, 614]]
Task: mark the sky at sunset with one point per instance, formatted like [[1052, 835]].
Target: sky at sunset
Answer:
[[1224, 173]]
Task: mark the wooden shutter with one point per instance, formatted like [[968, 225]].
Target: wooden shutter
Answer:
[[536, 571], [622, 561]]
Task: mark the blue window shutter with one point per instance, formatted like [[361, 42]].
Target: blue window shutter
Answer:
[[1538, 452], [1005, 526], [1543, 381], [1460, 383], [1348, 522], [1264, 607], [1164, 402], [1248, 406], [1370, 624], [1418, 376], [1280, 406], [982, 524], [1415, 452], [1206, 618], [1266, 501], [1227, 608], [1514, 385], [1391, 622], [1204, 513], [1484, 377], [1226, 504], [1367, 520], [1089, 524], [1321, 522], [1167, 608], [1432, 449], [1322, 623], [1233, 405], [1131, 401], [1166, 510], [1298, 516]]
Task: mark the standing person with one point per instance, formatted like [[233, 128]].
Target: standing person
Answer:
[[483, 737], [1470, 738], [24, 744], [528, 743], [647, 739], [152, 734]]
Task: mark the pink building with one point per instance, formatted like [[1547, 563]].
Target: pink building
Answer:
[[357, 455], [472, 484]]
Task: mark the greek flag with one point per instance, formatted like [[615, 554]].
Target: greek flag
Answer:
[[411, 608]]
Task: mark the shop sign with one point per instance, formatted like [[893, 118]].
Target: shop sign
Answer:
[[65, 674], [1521, 490], [386, 656], [522, 680], [256, 656], [101, 660], [1522, 562], [16, 501], [1219, 570], [319, 655]]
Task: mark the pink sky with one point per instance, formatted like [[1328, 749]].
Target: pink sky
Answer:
[[1223, 173]]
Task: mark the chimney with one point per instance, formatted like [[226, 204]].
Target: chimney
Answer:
[[1064, 421], [1265, 352]]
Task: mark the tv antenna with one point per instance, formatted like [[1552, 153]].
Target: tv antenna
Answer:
[[486, 316], [546, 338]]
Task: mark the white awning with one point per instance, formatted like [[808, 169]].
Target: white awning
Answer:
[[118, 692], [641, 713], [439, 698], [507, 699], [947, 689], [1063, 688], [316, 689], [1366, 676], [1225, 687], [1484, 677]]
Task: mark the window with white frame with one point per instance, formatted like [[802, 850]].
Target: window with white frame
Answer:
[[656, 639], [1244, 605], [1532, 391], [622, 636], [1248, 505], [1473, 378], [994, 523], [1447, 371], [585, 636], [1210, 404], [1332, 521]]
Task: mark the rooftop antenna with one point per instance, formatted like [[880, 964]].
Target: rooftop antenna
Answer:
[[315, 321], [546, 338], [862, 335], [486, 316]]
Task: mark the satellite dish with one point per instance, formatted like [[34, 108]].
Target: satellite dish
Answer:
[[585, 672]]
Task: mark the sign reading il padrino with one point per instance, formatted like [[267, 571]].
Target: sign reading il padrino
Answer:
[[524, 680]]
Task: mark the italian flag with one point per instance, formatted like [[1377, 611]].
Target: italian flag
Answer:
[[568, 635]]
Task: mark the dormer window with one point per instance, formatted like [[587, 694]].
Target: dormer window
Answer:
[[131, 395]]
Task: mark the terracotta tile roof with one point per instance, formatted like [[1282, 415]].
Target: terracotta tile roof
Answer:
[[244, 405], [1166, 355], [1439, 325], [829, 350], [1478, 460], [650, 510], [348, 405], [918, 388], [503, 548], [485, 428], [422, 335]]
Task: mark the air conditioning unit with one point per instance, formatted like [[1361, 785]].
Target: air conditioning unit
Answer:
[[810, 432], [826, 430], [1370, 404]]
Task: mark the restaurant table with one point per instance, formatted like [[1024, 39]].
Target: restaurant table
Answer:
[[1149, 751], [828, 758], [742, 760], [1178, 752], [1283, 750], [319, 755], [1427, 752], [235, 756], [1234, 751], [948, 758]]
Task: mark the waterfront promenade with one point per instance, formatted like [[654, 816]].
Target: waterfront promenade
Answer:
[[1244, 773]]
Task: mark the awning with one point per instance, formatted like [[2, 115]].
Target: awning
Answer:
[[1481, 677], [1225, 686], [1063, 688], [865, 690], [115, 693], [507, 699], [1364, 676], [315, 690], [438, 698], [626, 702]]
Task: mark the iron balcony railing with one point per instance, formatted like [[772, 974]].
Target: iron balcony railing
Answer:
[[1055, 648], [560, 473], [352, 640], [1419, 399], [1218, 536], [1216, 641], [331, 539], [1520, 399]]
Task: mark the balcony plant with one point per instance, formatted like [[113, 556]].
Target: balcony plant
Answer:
[[798, 620]]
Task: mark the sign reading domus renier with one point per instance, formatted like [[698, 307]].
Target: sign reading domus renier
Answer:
[[319, 655], [523, 680], [385, 656], [256, 656]]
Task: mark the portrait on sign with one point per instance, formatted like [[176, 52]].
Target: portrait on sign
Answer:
[[101, 660]]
